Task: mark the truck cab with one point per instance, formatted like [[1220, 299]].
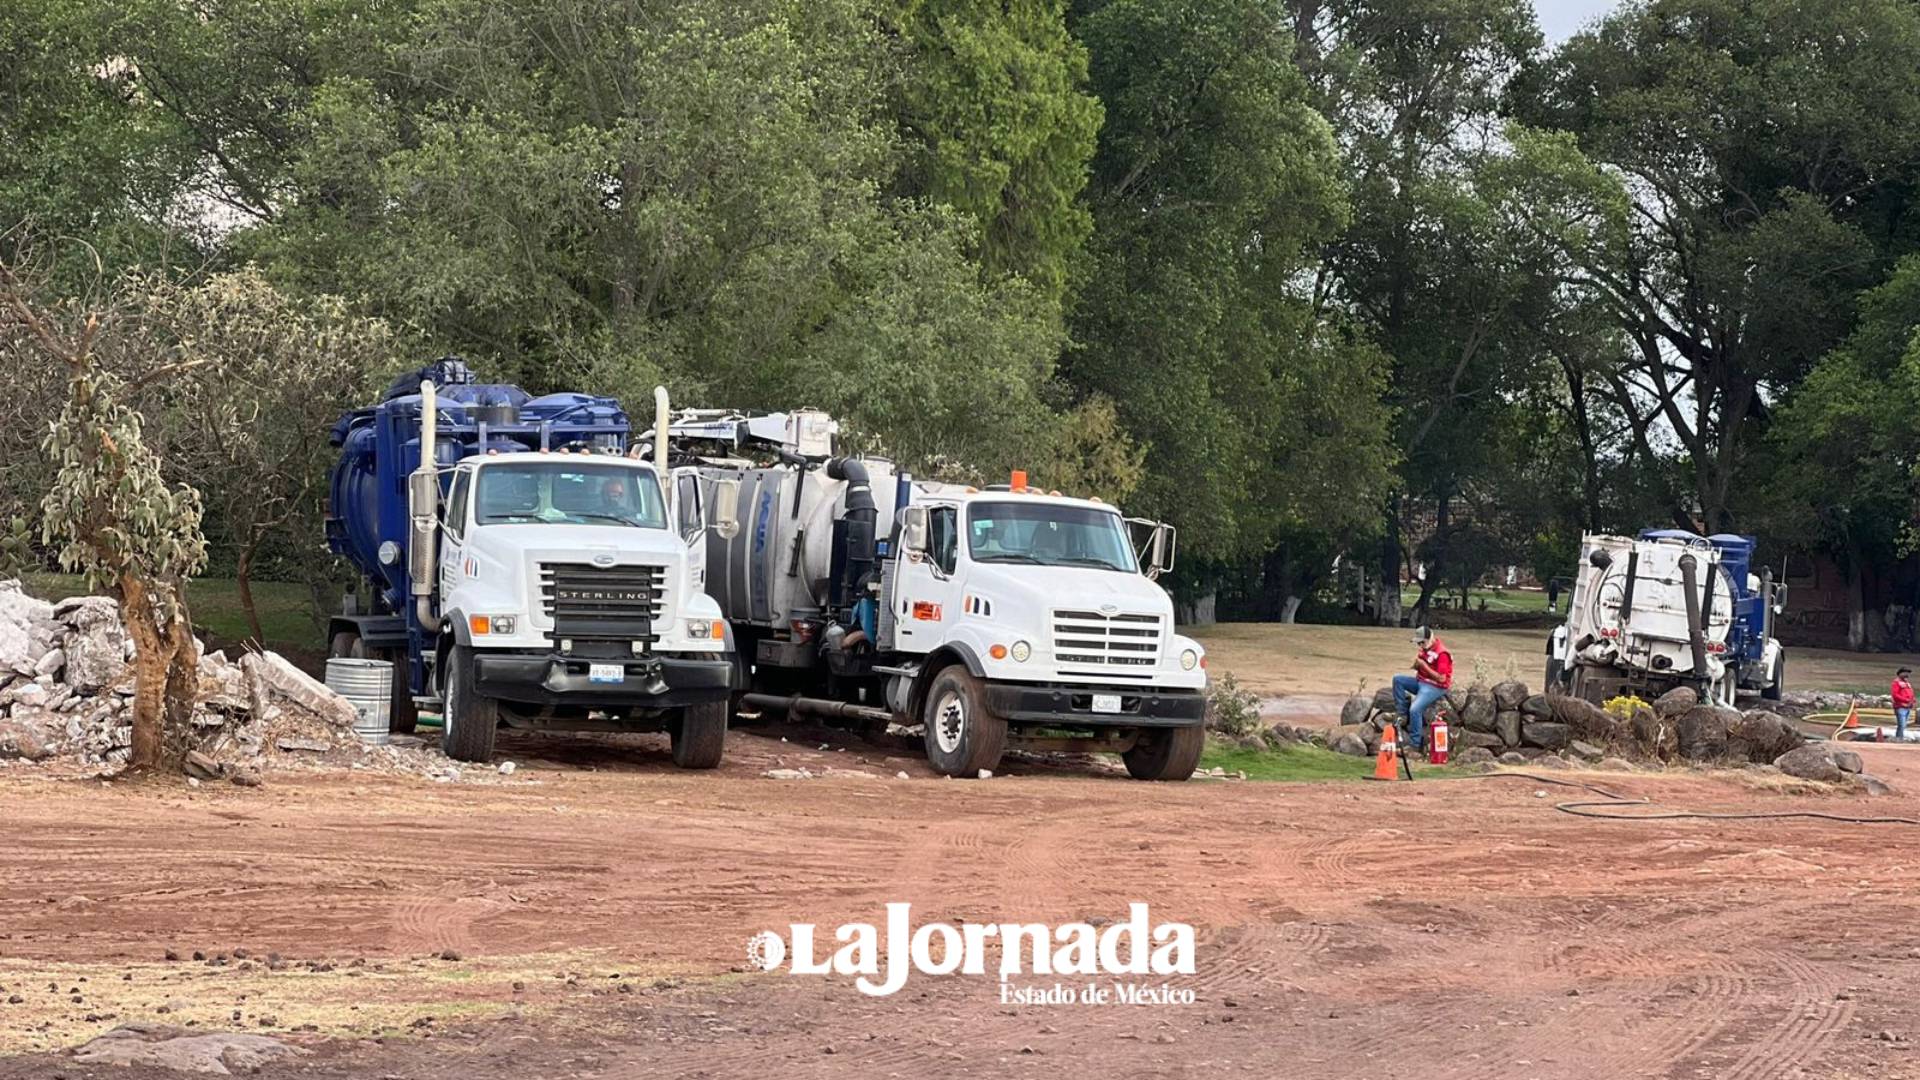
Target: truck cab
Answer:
[[567, 591], [1033, 612]]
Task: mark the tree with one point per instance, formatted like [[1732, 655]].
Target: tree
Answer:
[[1763, 153], [112, 514], [1213, 181], [1843, 450], [264, 378], [1000, 126]]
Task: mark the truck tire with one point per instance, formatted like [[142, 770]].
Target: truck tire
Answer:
[[700, 735], [470, 719], [1166, 753], [1777, 689], [1554, 677], [962, 736], [402, 716]]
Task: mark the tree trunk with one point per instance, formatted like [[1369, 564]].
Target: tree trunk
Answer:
[[149, 677], [243, 584], [1856, 601], [1289, 609], [1387, 589]]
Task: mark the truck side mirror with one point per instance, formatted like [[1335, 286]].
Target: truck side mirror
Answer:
[[1166, 541], [913, 529], [724, 508]]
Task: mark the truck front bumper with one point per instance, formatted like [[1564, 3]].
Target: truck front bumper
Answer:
[[646, 682], [1067, 705]]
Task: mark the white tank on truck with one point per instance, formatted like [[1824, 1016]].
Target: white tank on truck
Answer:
[[988, 617], [1662, 610]]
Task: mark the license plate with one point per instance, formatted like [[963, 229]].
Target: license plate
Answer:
[[1107, 703], [606, 673]]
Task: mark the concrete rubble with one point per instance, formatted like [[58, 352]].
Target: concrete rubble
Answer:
[[67, 684]]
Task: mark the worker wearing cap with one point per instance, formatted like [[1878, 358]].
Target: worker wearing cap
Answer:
[[1902, 702], [1414, 694]]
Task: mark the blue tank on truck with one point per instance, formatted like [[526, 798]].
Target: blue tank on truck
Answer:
[[410, 618]]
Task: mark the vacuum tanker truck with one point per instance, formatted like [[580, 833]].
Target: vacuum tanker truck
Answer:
[[1665, 609], [987, 617], [522, 568]]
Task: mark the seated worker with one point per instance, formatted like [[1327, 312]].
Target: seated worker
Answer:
[[1414, 694]]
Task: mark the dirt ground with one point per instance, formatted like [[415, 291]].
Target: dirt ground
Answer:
[[1275, 659], [588, 917]]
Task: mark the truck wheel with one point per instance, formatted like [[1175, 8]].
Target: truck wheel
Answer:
[[1777, 689], [470, 719], [1166, 754], [700, 735], [962, 736], [1554, 676]]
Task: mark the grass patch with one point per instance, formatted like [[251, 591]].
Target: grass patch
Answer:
[[284, 607], [1530, 601], [1297, 762]]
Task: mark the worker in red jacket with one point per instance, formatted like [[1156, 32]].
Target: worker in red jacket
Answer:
[[1415, 694], [1902, 702]]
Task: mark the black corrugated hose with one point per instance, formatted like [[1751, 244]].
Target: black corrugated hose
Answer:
[[1612, 800]]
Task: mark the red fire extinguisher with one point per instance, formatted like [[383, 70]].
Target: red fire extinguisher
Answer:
[[1437, 743]]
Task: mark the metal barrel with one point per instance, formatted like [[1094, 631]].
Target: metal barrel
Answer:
[[368, 685]]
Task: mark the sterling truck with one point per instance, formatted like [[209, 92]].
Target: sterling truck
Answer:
[[1667, 609], [522, 569], [987, 618]]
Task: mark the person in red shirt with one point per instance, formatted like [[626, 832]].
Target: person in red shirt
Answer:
[[1902, 702], [1414, 695]]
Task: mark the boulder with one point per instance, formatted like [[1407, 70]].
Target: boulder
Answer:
[[1616, 764], [1585, 719], [1848, 761], [48, 666], [1355, 710], [1701, 732], [1675, 701], [1473, 755], [1537, 705], [1873, 785], [1506, 724], [1813, 761], [1509, 694], [97, 643], [1653, 735], [1512, 757], [23, 739], [1585, 751], [1551, 761], [1349, 742], [1478, 711], [1762, 736], [1545, 734], [1383, 700], [1477, 740], [25, 629]]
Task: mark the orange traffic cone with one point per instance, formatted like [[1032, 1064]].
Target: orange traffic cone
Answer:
[[1851, 723], [1386, 766]]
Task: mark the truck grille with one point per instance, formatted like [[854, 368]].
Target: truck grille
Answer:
[[1111, 644], [596, 603]]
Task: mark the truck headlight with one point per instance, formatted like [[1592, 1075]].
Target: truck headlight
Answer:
[[1021, 650], [491, 624], [707, 629], [1189, 660]]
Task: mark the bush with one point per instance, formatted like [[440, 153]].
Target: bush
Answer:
[[1231, 710]]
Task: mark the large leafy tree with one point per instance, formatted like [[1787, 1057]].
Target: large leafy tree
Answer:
[[999, 125], [1213, 181], [1762, 155]]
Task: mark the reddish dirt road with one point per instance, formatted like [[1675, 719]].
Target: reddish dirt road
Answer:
[[1449, 929]]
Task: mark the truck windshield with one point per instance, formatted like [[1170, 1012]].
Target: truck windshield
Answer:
[[1048, 534], [568, 493]]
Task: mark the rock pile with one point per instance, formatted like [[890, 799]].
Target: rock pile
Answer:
[[66, 687], [1510, 723]]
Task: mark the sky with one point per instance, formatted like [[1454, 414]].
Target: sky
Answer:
[[1560, 18]]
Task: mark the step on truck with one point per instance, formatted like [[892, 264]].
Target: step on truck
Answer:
[[989, 619], [1666, 609], [523, 566]]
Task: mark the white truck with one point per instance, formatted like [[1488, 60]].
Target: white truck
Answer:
[[1667, 609], [525, 568], [988, 618]]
